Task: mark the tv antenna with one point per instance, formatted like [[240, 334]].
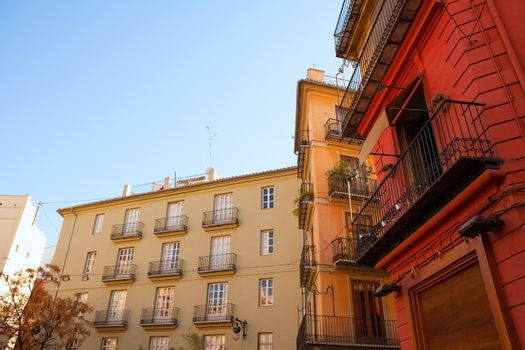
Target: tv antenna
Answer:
[[210, 138]]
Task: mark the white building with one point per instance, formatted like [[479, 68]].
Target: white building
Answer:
[[23, 243]]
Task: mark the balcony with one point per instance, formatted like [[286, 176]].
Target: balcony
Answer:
[[345, 25], [220, 219], [307, 265], [302, 148], [448, 153], [343, 249], [159, 318], [334, 132], [127, 232], [171, 226], [386, 34], [361, 188], [213, 315], [165, 269], [111, 320], [124, 273], [306, 197], [219, 264], [318, 332]]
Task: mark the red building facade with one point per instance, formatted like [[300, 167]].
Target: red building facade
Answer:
[[438, 95]]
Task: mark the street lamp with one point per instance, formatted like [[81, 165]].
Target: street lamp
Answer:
[[239, 326]]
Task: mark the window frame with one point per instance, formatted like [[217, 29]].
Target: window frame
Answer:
[[265, 197], [89, 263], [270, 297], [96, 224], [158, 336], [263, 239], [77, 297], [213, 335], [265, 346], [103, 346]]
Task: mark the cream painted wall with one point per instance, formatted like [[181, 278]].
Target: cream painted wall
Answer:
[[283, 266]]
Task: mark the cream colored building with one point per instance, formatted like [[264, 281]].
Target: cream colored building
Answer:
[[22, 241], [197, 256]]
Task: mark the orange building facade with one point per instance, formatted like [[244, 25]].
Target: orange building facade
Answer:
[[437, 97], [339, 308]]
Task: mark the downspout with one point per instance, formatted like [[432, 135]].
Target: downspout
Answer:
[[67, 251]]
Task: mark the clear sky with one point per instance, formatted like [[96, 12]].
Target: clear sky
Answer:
[[96, 94]]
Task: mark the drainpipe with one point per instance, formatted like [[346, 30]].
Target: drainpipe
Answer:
[[67, 251]]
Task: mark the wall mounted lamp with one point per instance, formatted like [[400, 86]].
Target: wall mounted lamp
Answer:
[[479, 224], [386, 289], [239, 326]]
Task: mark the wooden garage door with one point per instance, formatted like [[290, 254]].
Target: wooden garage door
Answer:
[[455, 313]]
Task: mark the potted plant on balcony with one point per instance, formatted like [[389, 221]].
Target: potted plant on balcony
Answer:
[[304, 195], [338, 174]]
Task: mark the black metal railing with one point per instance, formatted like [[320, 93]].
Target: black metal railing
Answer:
[[306, 197], [453, 136], [228, 216], [131, 229], [334, 131], [345, 24], [360, 187], [171, 224], [111, 318], [343, 249], [169, 267], [307, 265], [375, 42], [220, 313], [331, 81], [218, 262], [159, 316], [119, 272], [347, 331], [303, 143]]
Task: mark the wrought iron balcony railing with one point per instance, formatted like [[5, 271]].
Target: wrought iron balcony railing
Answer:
[[345, 24], [343, 249], [111, 319], [302, 148], [361, 188], [351, 332], [373, 51], [334, 131], [217, 263], [122, 272], [306, 197], [449, 151], [126, 231], [171, 224], [209, 314], [220, 217], [165, 268], [307, 265], [159, 317]]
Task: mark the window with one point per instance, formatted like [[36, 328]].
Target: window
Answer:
[[214, 342], [266, 292], [216, 306], [90, 261], [72, 344], [117, 302], [222, 208], [169, 257], [81, 298], [131, 220], [267, 197], [267, 243], [124, 260], [109, 344], [99, 221], [265, 341], [159, 343], [164, 303], [220, 252], [174, 214]]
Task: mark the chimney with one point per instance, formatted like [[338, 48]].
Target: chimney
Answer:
[[212, 175], [167, 182], [126, 191], [315, 74]]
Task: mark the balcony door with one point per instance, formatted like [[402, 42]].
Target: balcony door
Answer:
[[222, 209], [416, 134], [117, 303], [219, 252], [170, 256], [130, 220], [124, 260], [216, 307], [164, 303], [174, 214], [368, 311]]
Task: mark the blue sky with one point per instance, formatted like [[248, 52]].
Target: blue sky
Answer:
[[97, 94]]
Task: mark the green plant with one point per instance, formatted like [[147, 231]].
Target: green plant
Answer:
[[338, 174], [193, 340]]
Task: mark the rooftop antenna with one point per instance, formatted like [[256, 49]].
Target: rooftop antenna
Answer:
[[210, 138]]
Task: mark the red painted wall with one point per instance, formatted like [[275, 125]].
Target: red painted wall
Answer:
[[470, 60]]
